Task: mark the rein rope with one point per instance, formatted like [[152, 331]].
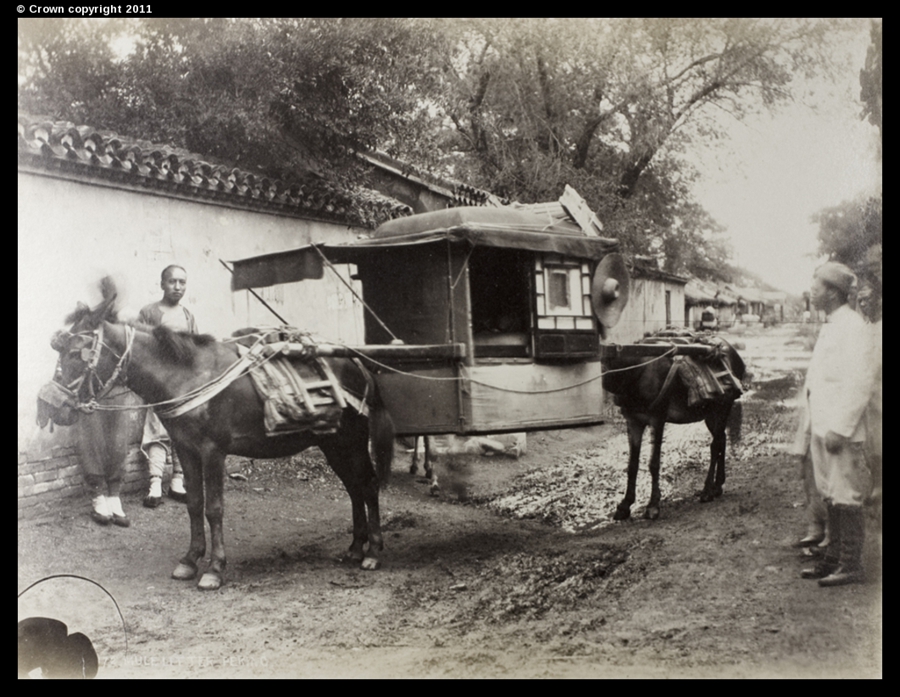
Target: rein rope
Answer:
[[194, 398], [254, 358], [507, 389]]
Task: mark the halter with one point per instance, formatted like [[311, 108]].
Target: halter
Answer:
[[89, 376]]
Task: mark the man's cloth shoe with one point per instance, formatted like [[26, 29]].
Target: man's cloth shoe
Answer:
[[176, 490], [154, 497], [820, 570], [811, 540], [118, 515], [99, 518], [842, 577], [100, 510]]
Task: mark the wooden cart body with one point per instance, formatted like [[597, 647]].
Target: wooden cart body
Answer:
[[493, 309]]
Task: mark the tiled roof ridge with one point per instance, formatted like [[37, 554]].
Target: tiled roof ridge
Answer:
[[86, 151], [460, 194]]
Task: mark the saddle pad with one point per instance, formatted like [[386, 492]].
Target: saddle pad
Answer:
[[706, 379], [281, 384]]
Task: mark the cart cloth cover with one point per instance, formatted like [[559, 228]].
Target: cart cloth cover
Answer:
[[476, 226]]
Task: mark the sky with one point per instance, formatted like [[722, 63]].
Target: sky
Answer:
[[778, 170]]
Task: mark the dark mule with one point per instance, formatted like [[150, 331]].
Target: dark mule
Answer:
[[162, 365], [638, 385]]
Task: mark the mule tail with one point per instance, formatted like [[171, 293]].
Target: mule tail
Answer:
[[381, 432], [735, 423]]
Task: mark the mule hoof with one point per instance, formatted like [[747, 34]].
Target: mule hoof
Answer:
[[706, 497], [370, 564], [210, 582], [622, 513], [651, 513], [351, 555], [184, 572], [434, 490]]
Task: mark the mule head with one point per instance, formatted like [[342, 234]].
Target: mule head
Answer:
[[71, 384]]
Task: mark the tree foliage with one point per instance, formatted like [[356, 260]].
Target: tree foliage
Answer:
[[870, 78], [851, 232], [847, 232], [280, 95], [520, 107], [610, 106]]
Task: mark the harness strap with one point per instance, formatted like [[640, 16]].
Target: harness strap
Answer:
[[129, 342], [192, 400], [667, 384]]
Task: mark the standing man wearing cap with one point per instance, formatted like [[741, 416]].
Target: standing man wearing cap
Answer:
[[838, 388], [155, 443]]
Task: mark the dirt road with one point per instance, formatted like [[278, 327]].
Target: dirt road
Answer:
[[528, 577]]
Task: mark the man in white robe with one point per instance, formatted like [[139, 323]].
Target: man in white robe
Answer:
[[838, 388]]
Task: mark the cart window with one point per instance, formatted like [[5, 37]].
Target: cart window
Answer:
[[563, 293], [563, 313]]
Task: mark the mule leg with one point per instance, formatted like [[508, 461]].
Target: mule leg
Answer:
[[193, 483], [370, 491], [434, 487], [339, 459], [715, 476], [429, 464], [414, 465], [723, 448], [351, 462], [635, 435], [652, 511], [214, 482]]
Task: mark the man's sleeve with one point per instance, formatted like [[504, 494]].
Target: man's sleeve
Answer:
[[857, 379]]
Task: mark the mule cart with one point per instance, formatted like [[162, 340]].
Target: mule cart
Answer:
[[478, 320]]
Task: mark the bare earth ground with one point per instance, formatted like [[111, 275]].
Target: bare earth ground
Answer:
[[527, 577]]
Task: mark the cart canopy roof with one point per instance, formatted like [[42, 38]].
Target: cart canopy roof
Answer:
[[477, 226]]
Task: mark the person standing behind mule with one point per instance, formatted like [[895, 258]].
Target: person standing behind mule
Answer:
[[102, 446], [837, 390], [155, 443]]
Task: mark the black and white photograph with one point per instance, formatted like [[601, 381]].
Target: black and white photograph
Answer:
[[448, 348]]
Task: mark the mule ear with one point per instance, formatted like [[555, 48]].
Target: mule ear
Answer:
[[108, 288], [106, 309], [80, 311]]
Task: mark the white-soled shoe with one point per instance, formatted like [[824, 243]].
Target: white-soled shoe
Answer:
[[115, 510], [154, 497], [177, 490], [100, 510]]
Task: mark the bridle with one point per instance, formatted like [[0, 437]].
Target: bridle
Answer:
[[89, 388]]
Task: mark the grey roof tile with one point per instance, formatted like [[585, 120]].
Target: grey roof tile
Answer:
[[87, 152]]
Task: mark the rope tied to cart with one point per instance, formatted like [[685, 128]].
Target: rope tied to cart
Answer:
[[603, 372]]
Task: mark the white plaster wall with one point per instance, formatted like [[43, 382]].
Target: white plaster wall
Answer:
[[71, 233], [646, 310]]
